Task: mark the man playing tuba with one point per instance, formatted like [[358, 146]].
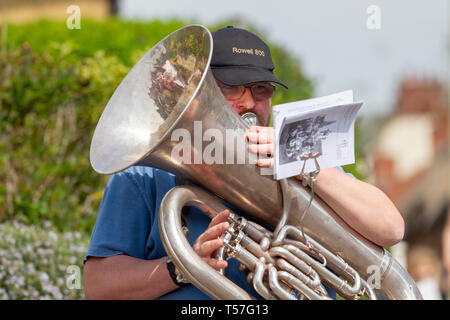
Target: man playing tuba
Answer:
[[126, 258]]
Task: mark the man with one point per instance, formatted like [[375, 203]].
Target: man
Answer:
[[126, 259]]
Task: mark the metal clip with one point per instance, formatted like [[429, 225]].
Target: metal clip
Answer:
[[310, 179]]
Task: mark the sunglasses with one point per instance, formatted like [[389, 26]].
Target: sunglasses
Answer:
[[260, 91]]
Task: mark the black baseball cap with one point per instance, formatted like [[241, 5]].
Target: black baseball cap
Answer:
[[240, 57]]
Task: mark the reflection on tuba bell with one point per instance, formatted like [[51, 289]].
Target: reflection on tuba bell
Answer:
[[172, 88]]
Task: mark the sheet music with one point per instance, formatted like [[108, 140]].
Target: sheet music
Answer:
[[324, 125]]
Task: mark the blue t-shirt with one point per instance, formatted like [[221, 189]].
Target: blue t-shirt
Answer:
[[127, 223]]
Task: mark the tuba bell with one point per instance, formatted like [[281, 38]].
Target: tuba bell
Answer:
[[171, 90]]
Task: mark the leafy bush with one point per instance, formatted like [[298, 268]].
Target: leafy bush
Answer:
[[49, 105], [34, 262], [115, 37]]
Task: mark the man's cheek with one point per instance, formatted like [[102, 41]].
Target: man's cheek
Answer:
[[264, 113]]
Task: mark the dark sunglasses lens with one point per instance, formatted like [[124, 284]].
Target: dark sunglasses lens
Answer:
[[231, 92], [259, 91], [262, 91]]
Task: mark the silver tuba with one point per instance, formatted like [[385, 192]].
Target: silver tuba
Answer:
[[171, 89]]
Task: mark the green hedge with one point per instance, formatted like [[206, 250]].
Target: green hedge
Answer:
[[48, 109]]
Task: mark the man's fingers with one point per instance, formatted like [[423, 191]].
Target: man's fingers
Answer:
[[265, 163], [220, 217], [259, 129], [266, 149], [212, 232], [256, 134], [254, 137], [208, 247], [216, 264], [261, 143]]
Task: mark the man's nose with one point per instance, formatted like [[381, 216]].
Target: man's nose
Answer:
[[246, 102]]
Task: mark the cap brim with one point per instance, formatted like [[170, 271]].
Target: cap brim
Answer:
[[236, 76]]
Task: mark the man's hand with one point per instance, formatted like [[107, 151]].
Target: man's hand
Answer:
[[209, 242], [260, 142]]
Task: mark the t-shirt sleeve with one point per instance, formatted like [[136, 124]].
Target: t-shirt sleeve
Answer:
[[123, 220]]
